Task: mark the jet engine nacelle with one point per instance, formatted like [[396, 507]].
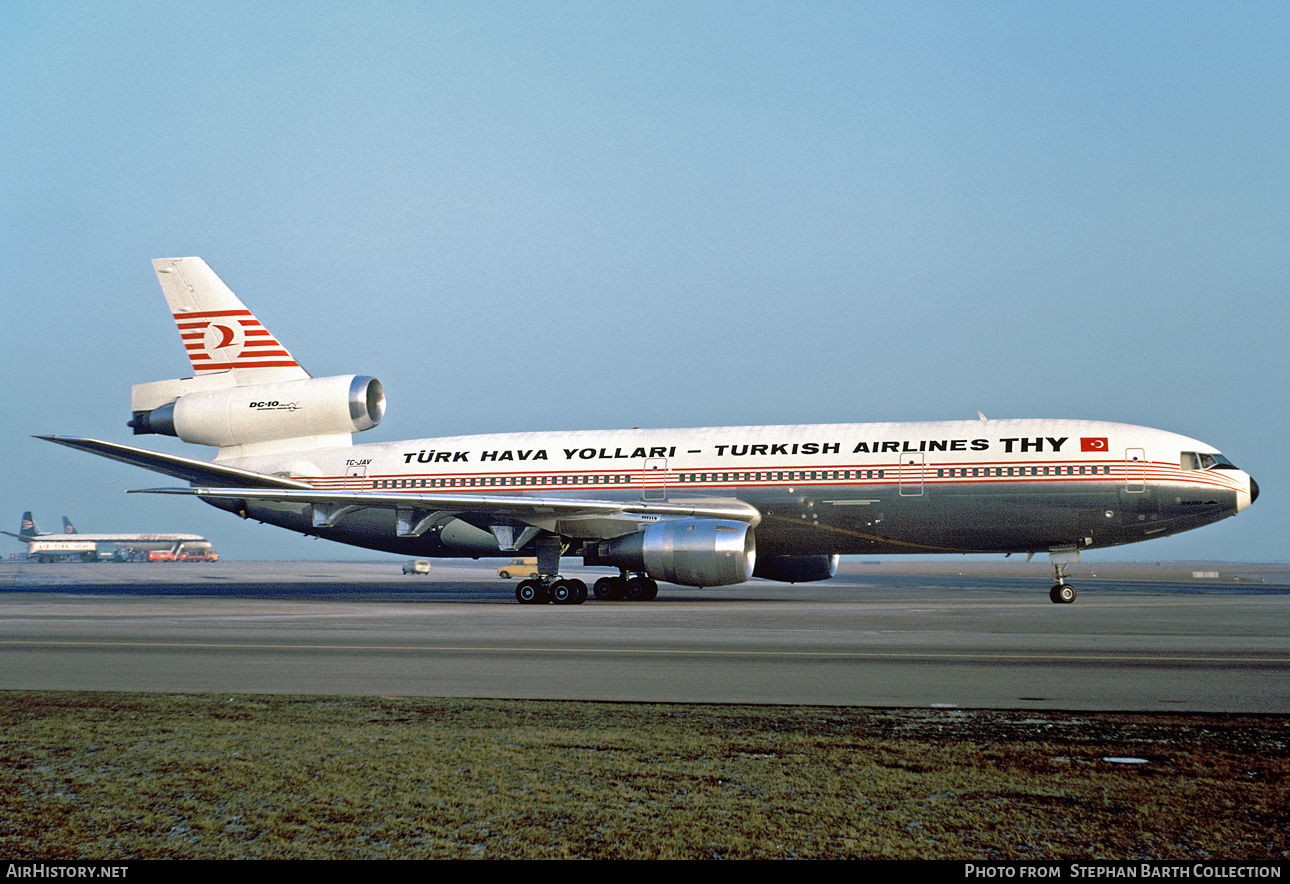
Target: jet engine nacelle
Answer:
[[269, 412], [796, 569], [691, 552]]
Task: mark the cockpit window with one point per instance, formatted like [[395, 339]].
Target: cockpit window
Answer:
[[1194, 460]]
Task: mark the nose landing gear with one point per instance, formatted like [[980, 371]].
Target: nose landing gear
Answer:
[[1062, 592]]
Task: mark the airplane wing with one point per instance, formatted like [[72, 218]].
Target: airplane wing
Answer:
[[201, 472], [417, 512]]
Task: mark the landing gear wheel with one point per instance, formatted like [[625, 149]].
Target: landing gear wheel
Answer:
[[1062, 594], [562, 593], [529, 592], [609, 589], [568, 592], [640, 589]]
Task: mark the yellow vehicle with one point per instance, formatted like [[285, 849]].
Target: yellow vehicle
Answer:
[[519, 568]]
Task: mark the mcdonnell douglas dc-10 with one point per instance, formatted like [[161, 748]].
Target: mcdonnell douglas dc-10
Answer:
[[697, 507]]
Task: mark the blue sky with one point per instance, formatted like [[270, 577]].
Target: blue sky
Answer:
[[592, 215]]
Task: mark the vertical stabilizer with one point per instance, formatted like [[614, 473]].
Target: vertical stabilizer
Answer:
[[27, 527], [68, 527], [219, 333]]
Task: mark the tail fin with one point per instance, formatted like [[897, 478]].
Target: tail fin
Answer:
[[218, 332], [28, 526], [68, 527]]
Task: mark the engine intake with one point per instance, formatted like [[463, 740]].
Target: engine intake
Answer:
[[691, 552], [269, 412]]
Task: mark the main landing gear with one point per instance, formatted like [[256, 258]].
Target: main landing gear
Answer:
[[549, 586], [557, 591], [572, 591], [634, 588]]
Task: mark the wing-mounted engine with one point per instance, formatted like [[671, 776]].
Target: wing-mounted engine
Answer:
[[198, 410], [691, 552]]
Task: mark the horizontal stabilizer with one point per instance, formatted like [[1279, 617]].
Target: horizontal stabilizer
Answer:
[[189, 469]]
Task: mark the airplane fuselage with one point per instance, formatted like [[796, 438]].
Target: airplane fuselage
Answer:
[[936, 487], [135, 542]]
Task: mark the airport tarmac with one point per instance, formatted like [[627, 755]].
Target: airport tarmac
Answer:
[[872, 636]]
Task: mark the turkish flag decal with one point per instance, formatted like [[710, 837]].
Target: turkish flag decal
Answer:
[[1093, 443]]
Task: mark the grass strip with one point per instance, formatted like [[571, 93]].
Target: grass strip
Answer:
[[137, 776]]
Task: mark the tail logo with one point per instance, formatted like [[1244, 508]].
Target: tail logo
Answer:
[[226, 337], [218, 340]]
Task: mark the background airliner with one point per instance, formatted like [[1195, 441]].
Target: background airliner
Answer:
[[127, 545], [697, 507]]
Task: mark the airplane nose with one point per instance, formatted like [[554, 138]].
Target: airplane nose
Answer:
[[1245, 498]]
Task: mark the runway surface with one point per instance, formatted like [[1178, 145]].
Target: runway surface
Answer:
[[866, 639]]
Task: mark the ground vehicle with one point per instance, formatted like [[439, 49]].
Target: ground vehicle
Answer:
[[524, 567], [416, 566], [197, 555]]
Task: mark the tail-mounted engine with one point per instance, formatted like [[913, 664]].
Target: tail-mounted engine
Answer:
[[257, 412], [691, 552]]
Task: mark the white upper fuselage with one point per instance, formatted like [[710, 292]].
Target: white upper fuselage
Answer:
[[573, 459], [942, 486]]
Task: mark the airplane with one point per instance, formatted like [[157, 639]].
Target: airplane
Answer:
[[696, 507], [49, 546]]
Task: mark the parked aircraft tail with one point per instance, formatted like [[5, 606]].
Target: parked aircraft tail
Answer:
[[68, 527], [27, 529]]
